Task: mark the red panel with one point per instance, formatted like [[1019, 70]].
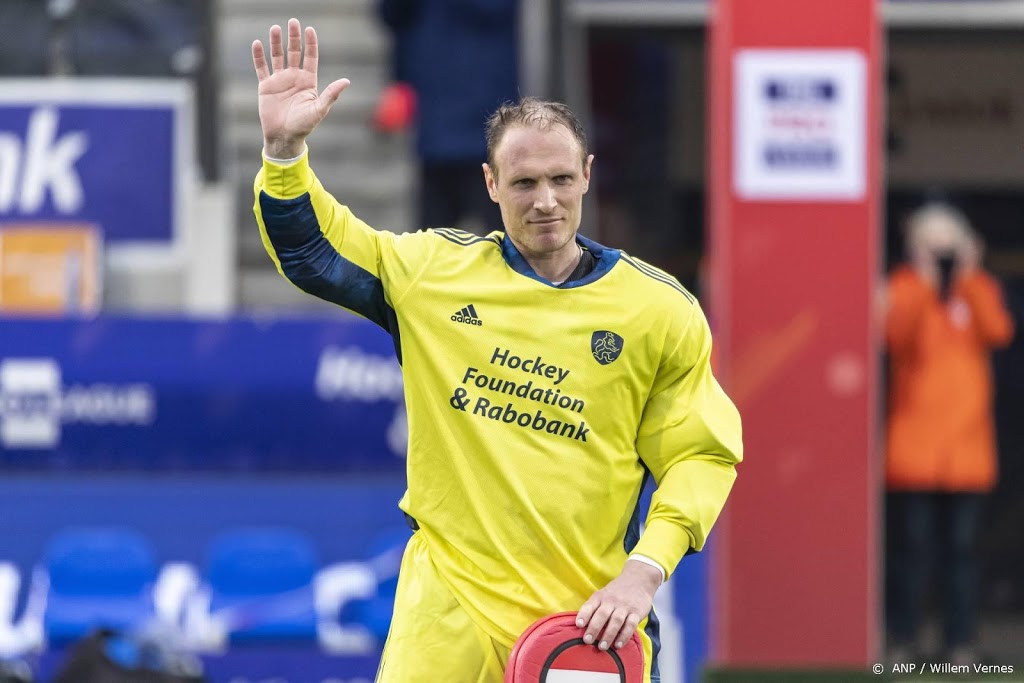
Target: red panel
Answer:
[[796, 552]]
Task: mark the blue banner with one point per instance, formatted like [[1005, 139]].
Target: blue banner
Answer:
[[281, 665], [274, 664], [178, 395], [104, 153]]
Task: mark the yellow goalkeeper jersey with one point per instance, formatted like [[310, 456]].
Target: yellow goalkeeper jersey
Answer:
[[536, 411]]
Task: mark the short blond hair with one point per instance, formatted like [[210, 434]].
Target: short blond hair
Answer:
[[531, 111]]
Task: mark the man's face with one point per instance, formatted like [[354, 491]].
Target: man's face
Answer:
[[539, 180]]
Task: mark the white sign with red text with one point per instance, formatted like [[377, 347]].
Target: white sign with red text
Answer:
[[800, 125]]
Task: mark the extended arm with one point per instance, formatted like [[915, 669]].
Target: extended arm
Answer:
[[317, 243], [323, 249]]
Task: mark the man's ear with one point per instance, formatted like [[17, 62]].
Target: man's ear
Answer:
[[491, 181], [586, 172]]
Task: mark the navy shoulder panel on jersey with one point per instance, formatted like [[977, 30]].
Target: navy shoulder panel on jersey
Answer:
[[310, 262]]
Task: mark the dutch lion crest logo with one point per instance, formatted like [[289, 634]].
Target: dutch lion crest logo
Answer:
[[606, 346]]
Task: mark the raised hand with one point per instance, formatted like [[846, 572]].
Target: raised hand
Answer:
[[290, 106]]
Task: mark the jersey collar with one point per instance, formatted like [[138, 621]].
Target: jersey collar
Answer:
[[605, 258]]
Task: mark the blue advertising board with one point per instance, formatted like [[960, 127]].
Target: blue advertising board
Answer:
[[276, 664], [102, 152], [148, 394]]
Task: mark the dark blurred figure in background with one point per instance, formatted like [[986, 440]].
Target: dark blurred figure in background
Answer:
[[459, 58], [102, 37], [129, 38], [944, 316]]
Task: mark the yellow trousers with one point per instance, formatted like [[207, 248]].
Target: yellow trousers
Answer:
[[432, 639]]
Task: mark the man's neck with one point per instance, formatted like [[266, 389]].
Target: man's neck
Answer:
[[558, 266]]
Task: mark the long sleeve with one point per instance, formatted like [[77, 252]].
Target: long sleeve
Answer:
[[908, 298], [992, 322], [322, 248], [690, 439]]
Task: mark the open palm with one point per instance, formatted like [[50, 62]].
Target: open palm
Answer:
[[289, 105]]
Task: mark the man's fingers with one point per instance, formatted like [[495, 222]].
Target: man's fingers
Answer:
[[587, 611], [294, 43], [309, 63], [276, 48], [259, 60], [332, 92], [596, 625], [610, 634], [627, 631]]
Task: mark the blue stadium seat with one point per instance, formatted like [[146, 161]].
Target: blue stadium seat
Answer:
[[15, 639], [385, 557], [97, 577], [260, 583]]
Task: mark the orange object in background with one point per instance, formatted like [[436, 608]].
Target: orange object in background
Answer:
[[941, 433], [48, 270], [395, 109]]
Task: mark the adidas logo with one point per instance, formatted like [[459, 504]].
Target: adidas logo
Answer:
[[467, 315]]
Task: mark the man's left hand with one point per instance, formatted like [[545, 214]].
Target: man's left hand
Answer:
[[612, 614]]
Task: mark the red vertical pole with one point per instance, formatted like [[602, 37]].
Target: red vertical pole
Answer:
[[794, 187]]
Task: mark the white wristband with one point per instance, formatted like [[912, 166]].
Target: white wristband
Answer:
[[285, 162], [647, 560]]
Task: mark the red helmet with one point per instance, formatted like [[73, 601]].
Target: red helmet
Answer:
[[552, 651]]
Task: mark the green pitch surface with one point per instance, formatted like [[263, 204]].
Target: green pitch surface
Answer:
[[843, 676]]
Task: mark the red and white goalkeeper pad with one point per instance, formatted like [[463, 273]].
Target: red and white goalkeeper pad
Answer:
[[552, 651]]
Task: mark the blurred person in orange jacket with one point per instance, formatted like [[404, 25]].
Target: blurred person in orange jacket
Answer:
[[943, 317]]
